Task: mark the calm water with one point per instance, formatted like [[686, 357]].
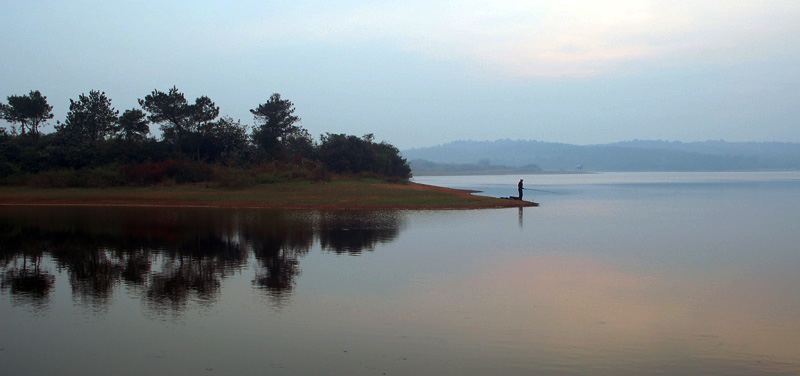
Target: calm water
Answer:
[[615, 274]]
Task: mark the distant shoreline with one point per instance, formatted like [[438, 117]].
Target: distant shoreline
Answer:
[[367, 194], [502, 172], [636, 155]]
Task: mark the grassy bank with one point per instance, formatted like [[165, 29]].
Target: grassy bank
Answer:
[[336, 194]]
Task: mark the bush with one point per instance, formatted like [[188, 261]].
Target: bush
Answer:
[[159, 172], [268, 173], [99, 177], [234, 178], [7, 169], [353, 155], [192, 173], [53, 179], [150, 173], [16, 179]]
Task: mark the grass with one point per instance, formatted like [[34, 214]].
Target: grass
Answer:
[[336, 194]]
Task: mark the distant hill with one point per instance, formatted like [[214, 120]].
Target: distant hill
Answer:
[[422, 167], [637, 155]]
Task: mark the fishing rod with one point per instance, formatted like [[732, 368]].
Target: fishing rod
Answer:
[[541, 190]]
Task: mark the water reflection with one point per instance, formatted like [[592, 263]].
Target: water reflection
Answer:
[[171, 257], [350, 233], [26, 280]]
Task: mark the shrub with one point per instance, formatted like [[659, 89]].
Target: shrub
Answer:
[[234, 178], [150, 173], [7, 169], [53, 179], [192, 173], [99, 177], [159, 172], [353, 155]]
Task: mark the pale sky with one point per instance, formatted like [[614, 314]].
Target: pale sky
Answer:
[[425, 72]]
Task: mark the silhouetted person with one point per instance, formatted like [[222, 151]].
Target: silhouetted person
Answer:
[[519, 188]]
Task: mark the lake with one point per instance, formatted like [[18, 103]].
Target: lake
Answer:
[[614, 274]]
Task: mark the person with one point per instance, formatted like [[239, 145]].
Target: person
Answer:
[[519, 186]]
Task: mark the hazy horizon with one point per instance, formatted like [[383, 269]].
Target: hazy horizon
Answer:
[[597, 144], [424, 73]]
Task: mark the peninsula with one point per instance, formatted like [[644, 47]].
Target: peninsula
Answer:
[[97, 157], [356, 194]]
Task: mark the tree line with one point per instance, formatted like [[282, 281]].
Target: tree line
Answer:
[[96, 145]]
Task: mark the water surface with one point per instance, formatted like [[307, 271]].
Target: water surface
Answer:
[[616, 274]]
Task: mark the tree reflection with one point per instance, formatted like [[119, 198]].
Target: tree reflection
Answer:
[[351, 233], [172, 258], [24, 277], [22, 274], [181, 279], [278, 241]]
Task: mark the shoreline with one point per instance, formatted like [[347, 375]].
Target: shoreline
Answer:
[[334, 195]]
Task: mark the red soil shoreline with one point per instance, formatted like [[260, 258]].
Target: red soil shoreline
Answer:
[[321, 196]]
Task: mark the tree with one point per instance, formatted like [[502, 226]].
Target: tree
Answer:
[[29, 111], [177, 117], [300, 144], [133, 125], [219, 141], [169, 110], [342, 153], [90, 119], [203, 111], [353, 155], [275, 123], [388, 161]]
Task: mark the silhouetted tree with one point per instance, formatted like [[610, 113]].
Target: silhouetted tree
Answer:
[[180, 120], [29, 111], [222, 140], [170, 110], [300, 144], [8, 151], [133, 125], [352, 155], [190, 128], [388, 161], [201, 112], [275, 126], [90, 119]]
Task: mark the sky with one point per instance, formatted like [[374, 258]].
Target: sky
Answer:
[[419, 73]]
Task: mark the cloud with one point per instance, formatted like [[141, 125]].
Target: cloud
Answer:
[[544, 38]]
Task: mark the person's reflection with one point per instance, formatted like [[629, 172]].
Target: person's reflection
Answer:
[[520, 217]]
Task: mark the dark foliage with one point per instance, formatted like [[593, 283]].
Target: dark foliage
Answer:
[[133, 125], [353, 155], [95, 147], [90, 120], [169, 110], [179, 120], [157, 172], [29, 111], [224, 140], [275, 133]]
